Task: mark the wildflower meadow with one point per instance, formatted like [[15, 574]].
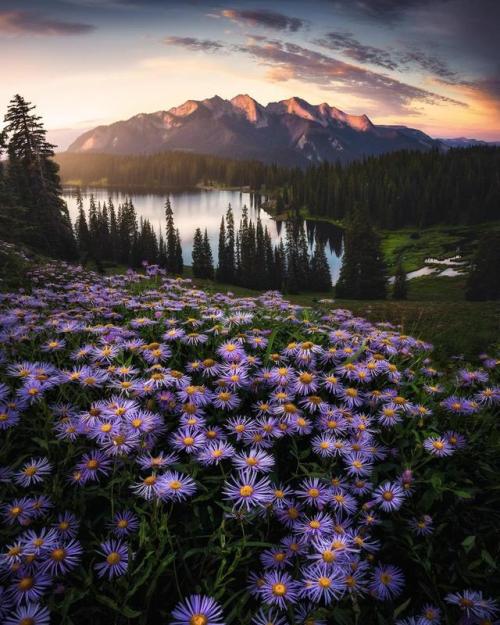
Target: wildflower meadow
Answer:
[[173, 456]]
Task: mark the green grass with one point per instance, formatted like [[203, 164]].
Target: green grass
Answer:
[[435, 312], [439, 242]]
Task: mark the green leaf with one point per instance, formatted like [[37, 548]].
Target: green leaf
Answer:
[[401, 608], [468, 543], [488, 559]]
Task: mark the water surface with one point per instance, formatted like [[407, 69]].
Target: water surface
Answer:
[[204, 209]]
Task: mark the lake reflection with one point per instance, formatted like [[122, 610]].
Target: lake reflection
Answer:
[[204, 209]]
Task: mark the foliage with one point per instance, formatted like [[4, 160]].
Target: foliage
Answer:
[[483, 281], [363, 271], [31, 208], [404, 188], [400, 286], [107, 355]]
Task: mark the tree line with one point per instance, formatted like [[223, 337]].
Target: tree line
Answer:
[[405, 188], [168, 170], [247, 257], [108, 234], [419, 189]]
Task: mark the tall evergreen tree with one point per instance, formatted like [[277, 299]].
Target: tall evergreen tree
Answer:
[[483, 282], [197, 254], [174, 263], [34, 180], [400, 286], [321, 278], [208, 260], [82, 229], [363, 271], [179, 261]]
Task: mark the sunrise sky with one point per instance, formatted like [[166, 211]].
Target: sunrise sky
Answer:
[[430, 64]]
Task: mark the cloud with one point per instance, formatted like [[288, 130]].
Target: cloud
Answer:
[[287, 61], [384, 10], [264, 18], [429, 63], [193, 43], [355, 50], [27, 22]]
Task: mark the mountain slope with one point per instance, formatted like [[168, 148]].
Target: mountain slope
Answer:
[[289, 132]]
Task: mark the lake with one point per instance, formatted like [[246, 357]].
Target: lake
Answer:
[[203, 209]]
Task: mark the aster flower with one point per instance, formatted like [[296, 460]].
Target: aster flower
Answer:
[[270, 617], [29, 614], [175, 486], [322, 583], [421, 526], [316, 526], [66, 525], [279, 588], [115, 562], [438, 446], [18, 511], [215, 452], [29, 587], [245, 490], [275, 558], [197, 610], [189, 440], [62, 558], [430, 615], [35, 542], [387, 582], [389, 496], [313, 492], [33, 472], [124, 523], [254, 460], [473, 604]]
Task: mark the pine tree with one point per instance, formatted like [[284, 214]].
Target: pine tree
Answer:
[[221, 272], [179, 261], [162, 251], [197, 254], [363, 271], [82, 229], [400, 286], [13, 216], [208, 260], [171, 242], [483, 282], [34, 180], [321, 278], [230, 245]]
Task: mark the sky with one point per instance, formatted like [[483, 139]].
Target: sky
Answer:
[[428, 64]]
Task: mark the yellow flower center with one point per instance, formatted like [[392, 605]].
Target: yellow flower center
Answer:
[[279, 589], [246, 491], [198, 619], [325, 582], [113, 558], [58, 555], [25, 583], [328, 556]]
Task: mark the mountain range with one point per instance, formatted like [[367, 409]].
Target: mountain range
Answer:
[[289, 132]]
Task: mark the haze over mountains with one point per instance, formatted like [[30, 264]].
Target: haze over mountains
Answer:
[[289, 132]]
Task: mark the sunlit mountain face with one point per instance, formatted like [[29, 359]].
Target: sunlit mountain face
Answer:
[[290, 132], [419, 64]]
